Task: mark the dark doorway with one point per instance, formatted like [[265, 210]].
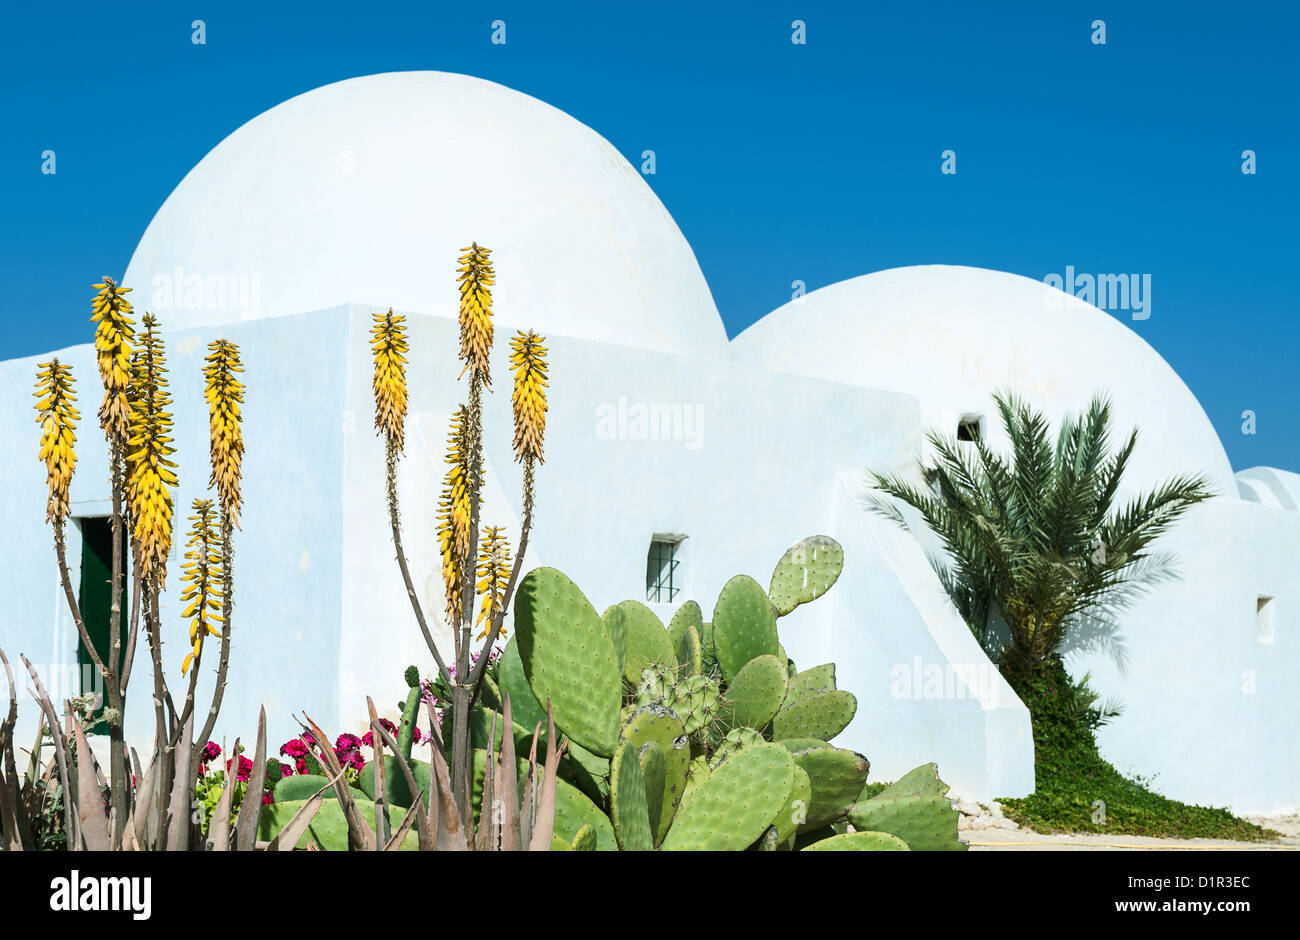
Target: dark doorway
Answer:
[[96, 600]]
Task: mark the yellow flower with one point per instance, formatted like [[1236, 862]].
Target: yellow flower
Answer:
[[113, 337], [494, 574], [390, 347], [476, 277], [202, 578], [454, 515], [224, 394], [149, 472], [58, 420], [528, 361]]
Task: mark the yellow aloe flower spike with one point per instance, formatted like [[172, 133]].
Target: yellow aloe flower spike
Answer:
[[476, 279], [149, 471], [390, 348], [114, 334], [58, 420], [202, 577], [528, 362], [454, 515], [494, 573], [224, 394]]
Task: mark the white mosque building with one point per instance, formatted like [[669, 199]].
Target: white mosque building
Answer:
[[663, 436]]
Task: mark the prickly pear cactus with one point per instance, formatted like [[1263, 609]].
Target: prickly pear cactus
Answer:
[[756, 693], [654, 685], [837, 776], [628, 810], [815, 715], [735, 741], [696, 701], [648, 645], [805, 572], [684, 634], [658, 724], [914, 808], [795, 812], [744, 625], [569, 658], [735, 805], [654, 770], [858, 842], [817, 679]]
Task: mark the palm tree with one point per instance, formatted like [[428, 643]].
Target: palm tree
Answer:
[[1037, 541]]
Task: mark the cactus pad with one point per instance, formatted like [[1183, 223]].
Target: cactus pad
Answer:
[[925, 823], [687, 619], [756, 693], [627, 801], [736, 740], [584, 840], [658, 724], [615, 621], [524, 706], [837, 776], [859, 842], [654, 767], [696, 701], [735, 805], [744, 625], [815, 715], [919, 781], [795, 812], [647, 641], [817, 679], [569, 658], [805, 572]]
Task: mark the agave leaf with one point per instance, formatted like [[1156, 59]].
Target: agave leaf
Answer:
[[251, 809], [508, 782], [219, 825], [382, 826], [137, 825], [360, 836], [399, 834], [451, 834], [70, 823], [90, 804], [485, 837], [423, 829], [544, 824]]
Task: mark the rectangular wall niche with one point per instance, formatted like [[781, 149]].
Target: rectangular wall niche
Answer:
[[970, 427], [1264, 620], [664, 573]]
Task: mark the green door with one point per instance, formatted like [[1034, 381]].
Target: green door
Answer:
[[96, 599]]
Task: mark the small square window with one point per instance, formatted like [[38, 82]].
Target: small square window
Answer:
[[663, 574], [1264, 620], [970, 428]]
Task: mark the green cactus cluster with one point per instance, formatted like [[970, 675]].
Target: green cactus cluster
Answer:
[[703, 735]]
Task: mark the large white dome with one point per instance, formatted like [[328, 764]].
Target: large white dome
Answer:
[[366, 191], [953, 335]]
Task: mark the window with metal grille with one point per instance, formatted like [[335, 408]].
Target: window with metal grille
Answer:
[[663, 575]]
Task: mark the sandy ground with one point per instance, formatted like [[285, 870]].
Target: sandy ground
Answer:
[[1012, 840]]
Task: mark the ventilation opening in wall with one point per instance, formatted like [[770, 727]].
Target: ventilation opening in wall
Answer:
[[1264, 620], [970, 427], [664, 569]]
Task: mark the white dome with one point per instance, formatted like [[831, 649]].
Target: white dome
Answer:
[[367, 190], [952, 335]]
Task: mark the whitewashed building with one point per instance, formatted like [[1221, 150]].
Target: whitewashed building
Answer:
[[664, 440]]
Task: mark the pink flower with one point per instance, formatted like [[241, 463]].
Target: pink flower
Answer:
[[285, 771], [266, 799], [210, 752], [296, 748]]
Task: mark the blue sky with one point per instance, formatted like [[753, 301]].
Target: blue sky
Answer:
[[815, 162]]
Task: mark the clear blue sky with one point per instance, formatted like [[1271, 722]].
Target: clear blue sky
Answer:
[[779, 162]]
